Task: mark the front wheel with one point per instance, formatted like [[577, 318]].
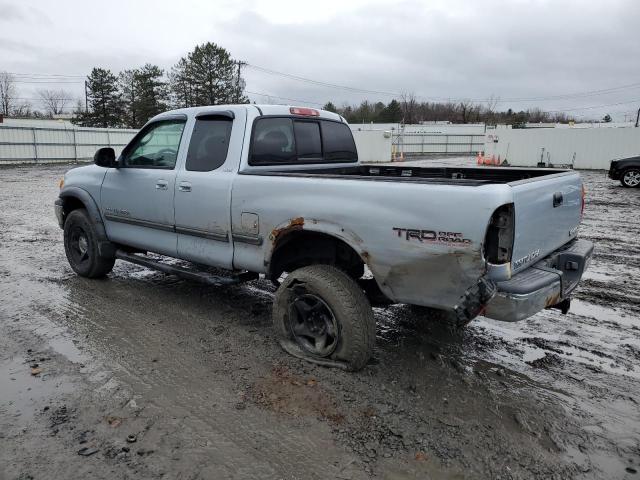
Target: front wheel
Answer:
[[81, 246], [325, 314], [631, 178]]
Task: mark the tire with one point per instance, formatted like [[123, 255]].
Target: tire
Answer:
[[81, 246], [321, 301], [630, 178]]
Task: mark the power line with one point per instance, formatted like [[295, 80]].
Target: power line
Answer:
[[285, 98], [565, 96], [593, 106], [48, 81], [45, 75]]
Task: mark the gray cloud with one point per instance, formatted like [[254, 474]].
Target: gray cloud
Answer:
[[436, 50]]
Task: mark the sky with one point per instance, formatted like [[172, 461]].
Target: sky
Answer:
[[580, 57]]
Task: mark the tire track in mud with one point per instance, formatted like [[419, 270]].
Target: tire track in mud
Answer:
[[196, 373]]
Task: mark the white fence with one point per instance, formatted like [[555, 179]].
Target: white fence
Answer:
[[429, 139], [30, 144], [584, 148]]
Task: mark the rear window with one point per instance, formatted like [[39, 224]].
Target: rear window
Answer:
[[209, 144], [290, 141]]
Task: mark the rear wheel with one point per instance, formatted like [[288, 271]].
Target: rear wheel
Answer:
[[81, 246], [630, 178], [324, 313]]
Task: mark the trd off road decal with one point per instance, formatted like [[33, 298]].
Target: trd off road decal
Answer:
[[433, 236]]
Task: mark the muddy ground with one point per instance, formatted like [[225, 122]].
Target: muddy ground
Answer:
[[144, 376]]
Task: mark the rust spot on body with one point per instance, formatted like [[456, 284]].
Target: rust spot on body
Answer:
[[295, 224]]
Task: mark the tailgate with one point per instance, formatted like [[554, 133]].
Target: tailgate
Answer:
[[547, 213]]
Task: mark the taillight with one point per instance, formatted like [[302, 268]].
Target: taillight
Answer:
[[498, 242], [308, 112], [584, 193]]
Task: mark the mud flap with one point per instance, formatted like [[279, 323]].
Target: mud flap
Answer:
[[293, 349], [474, 300]]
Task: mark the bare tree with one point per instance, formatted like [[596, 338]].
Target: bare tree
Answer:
[[491, 104], [22, 110], [466, 108], [7, 93], [54, 101], [409, 106]]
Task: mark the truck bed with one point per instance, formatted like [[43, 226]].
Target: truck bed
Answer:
[[438, 175]]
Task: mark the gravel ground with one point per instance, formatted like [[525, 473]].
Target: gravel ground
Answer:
[[144, 376]]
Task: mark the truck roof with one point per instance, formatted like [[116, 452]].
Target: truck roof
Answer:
[[260, 109]]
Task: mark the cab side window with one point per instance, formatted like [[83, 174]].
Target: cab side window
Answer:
[[156, 146], [209, 143]]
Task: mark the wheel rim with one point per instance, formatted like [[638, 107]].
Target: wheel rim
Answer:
[[632, 178], [313, 324], [79, 245]]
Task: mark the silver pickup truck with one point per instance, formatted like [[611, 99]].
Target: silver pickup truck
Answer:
[[278, 191]]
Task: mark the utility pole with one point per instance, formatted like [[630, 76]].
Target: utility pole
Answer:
[[86, 97], [240, 65]]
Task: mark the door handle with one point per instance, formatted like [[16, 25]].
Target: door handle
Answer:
[[184, 187], [162, 185]]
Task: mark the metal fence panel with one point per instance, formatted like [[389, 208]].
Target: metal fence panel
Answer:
[[33, 144], [584, 148]]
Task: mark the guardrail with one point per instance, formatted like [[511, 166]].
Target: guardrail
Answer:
[[33, 145]]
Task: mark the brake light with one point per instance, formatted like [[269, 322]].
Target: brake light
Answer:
[[584, 192], [308, 112]]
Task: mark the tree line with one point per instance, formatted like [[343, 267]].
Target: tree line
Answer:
[[409, 110], [208, 75]]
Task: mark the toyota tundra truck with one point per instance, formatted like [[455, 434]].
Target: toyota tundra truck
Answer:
[[278, 192]]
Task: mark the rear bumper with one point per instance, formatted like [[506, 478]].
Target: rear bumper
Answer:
[[546, 284]]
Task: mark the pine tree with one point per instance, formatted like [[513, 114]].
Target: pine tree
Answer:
[[153, 93], [106, 108], [391, 113], [144, 93], [207, 76], [129, 92], [330, 107]]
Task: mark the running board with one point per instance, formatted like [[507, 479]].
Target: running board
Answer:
[[202, 277]]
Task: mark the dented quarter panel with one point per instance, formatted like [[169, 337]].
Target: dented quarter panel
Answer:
[[364, 215]]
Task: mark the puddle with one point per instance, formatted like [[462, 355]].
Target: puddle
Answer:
[[24, 394]]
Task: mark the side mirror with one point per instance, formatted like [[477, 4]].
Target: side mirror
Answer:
[[105, 157]]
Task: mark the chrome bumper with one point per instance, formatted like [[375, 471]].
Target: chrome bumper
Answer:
[[543, 285], [59, 209]]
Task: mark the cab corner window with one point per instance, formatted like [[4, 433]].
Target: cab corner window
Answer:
[[273, 142], [338, 143], [209, 144], [156, 146]]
